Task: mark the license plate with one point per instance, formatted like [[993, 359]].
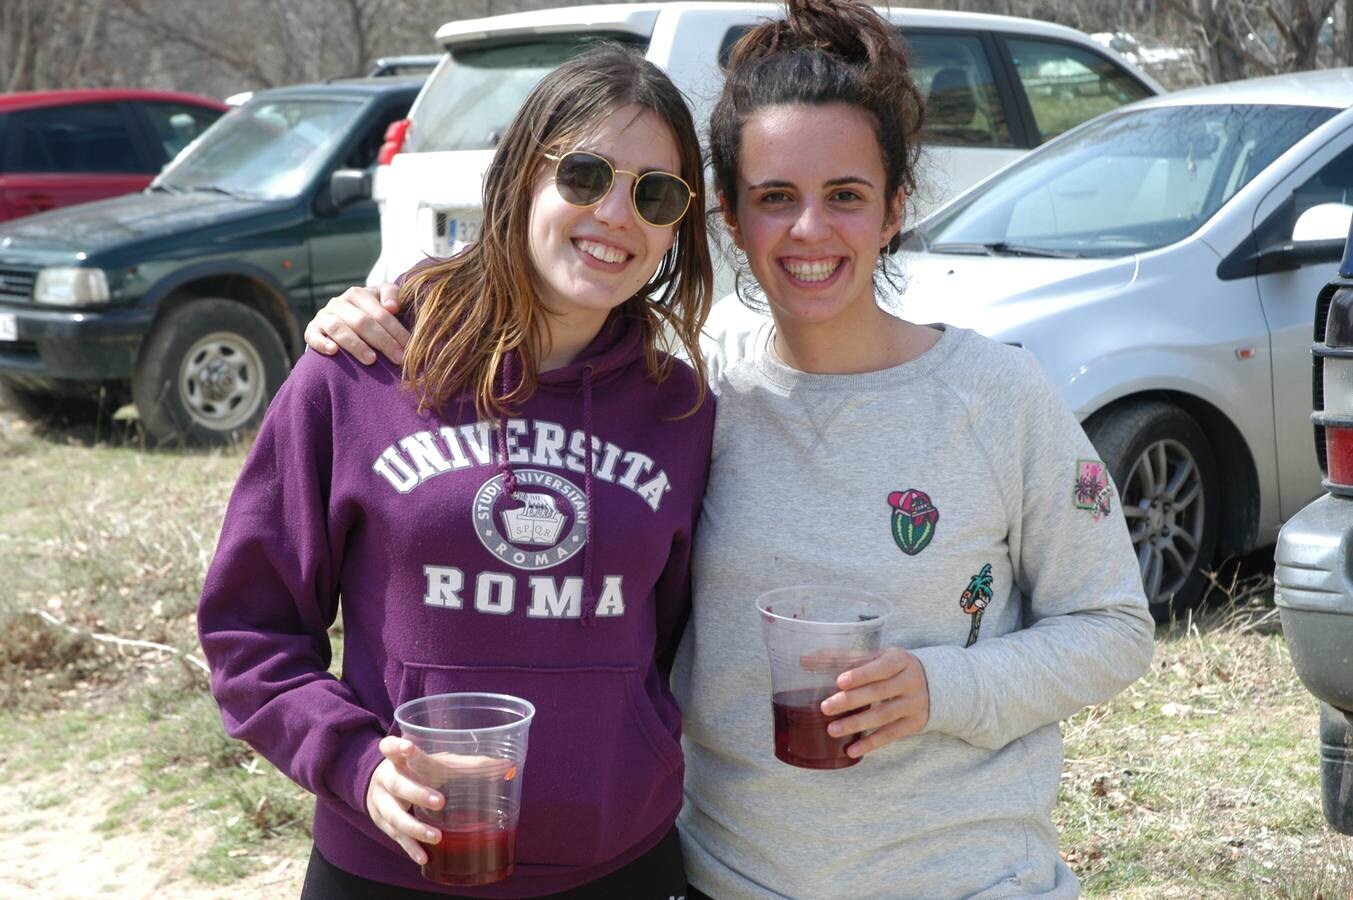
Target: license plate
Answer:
[[9, 327], [460, 230]]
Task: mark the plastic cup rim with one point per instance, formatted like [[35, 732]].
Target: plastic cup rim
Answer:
[[407, 726], [887, 606]]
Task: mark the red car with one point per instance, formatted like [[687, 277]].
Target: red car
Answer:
[[58, 148]]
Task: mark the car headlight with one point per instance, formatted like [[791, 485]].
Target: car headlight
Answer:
[[71, 286]]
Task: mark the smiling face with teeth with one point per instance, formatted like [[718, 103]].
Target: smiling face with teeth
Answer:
[[589, 260], [811, 213]]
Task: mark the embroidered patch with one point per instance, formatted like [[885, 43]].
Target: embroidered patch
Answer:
[[1093, 491], [975, 599], [914, 518]]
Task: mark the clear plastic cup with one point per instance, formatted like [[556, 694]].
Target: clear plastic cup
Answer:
[[814, 633], [473, 751]]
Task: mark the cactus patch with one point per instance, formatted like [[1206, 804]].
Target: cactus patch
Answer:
[[914, 520]]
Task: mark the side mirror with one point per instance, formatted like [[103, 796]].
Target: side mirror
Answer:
[[348, 186], [1317, 237], [1323, 222]]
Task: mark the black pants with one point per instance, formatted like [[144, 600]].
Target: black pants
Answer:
[[657, 875]]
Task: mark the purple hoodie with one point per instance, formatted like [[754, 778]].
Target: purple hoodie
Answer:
[[564, 595]]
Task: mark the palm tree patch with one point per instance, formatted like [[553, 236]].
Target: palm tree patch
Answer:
[[975, 599], [1092, 490], [914, 518]]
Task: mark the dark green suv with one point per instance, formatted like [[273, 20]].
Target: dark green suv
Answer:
[[187, 299]]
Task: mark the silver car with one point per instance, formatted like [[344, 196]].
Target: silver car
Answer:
[[1162, 262]]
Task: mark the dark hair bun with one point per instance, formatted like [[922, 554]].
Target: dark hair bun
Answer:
[[822, 51]]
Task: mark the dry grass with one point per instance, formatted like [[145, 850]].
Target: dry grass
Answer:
[[1199, 781]]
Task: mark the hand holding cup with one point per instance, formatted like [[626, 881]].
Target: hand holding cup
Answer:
[[395, 788], [892, 696]]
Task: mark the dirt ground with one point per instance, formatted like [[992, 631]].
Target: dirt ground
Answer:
[[51, 849]]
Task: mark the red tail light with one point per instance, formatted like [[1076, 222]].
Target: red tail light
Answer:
[[1339, 447], [394, 141], [1333, 399]]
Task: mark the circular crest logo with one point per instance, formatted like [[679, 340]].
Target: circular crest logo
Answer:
[[542, 525]]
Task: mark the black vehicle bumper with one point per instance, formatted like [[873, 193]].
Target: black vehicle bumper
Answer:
[[57, 346]]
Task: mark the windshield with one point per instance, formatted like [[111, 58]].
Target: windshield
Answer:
[[266, 150], [471, 99], [1130, 182]]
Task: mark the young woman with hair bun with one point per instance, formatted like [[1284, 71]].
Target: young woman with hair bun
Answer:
[[927, 464]]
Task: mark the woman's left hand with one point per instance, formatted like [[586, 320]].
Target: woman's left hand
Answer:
[[895, 684]]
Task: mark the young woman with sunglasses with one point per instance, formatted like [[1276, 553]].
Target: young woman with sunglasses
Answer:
[[926, 464], [509, 512]]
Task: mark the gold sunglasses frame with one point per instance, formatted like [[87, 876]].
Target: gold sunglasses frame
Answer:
[[558, 160]]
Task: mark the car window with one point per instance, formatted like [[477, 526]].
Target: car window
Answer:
[[1131, 182], [953, 73], [176, 125], [268, 149], [1068, 85], [469, 102], [963, 107], [78, 138], [1332, 184], [364, 152]]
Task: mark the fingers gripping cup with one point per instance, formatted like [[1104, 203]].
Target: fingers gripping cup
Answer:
[[472, 750], [813, 634]]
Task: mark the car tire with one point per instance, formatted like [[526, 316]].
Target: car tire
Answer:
[[207, 372], [1164, 468]]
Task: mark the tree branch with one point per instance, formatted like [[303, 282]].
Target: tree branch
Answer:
[[246, 64], [121, 641], [1222, 37]]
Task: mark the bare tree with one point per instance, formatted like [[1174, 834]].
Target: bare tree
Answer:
[[47, 43], [221, 48], [1300, 24]]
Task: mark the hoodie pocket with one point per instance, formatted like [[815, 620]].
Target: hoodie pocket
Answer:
[[602, 771]]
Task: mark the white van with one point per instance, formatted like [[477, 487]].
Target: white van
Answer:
[[995, 86]]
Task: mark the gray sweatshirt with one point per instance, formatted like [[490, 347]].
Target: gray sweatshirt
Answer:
[[953, 484]]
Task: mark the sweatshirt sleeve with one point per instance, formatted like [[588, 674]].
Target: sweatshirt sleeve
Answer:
[[271, 594], [1087, 633]]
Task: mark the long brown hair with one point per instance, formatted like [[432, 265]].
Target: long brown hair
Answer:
[[475, 308]]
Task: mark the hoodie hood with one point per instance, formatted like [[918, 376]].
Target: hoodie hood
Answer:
[[617, 346]]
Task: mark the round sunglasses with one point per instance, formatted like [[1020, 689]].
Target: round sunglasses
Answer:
[[584, 179]]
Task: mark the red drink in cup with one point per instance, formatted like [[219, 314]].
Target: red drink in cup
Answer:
[[813, 634], [472, 851], [471, 750], [801, 737]]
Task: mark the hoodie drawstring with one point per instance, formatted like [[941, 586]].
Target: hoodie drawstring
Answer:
[[589, 599], [589, 596], [504, 465]]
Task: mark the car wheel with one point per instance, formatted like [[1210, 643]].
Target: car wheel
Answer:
[[1167, 482], [207, 372]]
